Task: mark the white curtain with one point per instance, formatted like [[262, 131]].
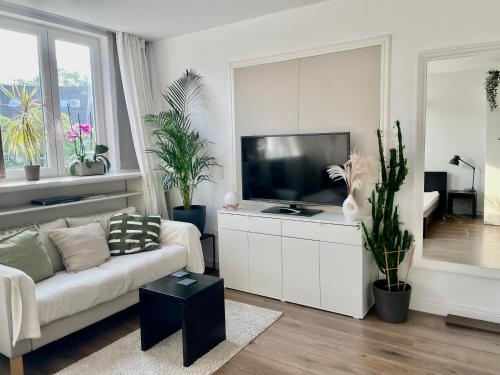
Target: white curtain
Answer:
[[139, 99]]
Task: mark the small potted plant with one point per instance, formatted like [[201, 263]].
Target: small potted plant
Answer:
[[25, 136], [181, 150], [84, 162], [388, 243], [354, 172]]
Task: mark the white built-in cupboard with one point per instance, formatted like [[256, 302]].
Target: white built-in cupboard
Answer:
[[317, 261]]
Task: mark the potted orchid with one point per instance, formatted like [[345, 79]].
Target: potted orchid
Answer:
[[88, 158]]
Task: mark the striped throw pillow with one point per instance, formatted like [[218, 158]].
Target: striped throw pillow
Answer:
[[130, 233]]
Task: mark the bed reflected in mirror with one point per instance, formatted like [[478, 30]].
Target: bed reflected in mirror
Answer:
[[461, 213]]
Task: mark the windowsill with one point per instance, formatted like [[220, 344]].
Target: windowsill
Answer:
[[20, 185]]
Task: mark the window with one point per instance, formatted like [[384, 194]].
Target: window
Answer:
[[50, 77], [20, 88], [76, 96]]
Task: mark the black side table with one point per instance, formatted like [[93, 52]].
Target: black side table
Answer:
[[198, 309], [462, 194], [206, 236]]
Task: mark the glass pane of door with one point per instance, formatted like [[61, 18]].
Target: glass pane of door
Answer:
[[76, 98], [22, 111]]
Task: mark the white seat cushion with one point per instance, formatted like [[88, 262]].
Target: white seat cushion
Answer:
[[66, 294], [142, 268]]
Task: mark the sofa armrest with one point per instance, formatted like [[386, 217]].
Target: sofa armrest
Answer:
[[187, 235], [5, 315], [6, 325]]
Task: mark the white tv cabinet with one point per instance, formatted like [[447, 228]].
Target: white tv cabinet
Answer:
[[314, 261]]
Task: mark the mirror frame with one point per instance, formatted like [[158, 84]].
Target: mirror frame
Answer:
[[419, 166]]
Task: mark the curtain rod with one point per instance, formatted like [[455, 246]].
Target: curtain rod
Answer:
[[40, 15]]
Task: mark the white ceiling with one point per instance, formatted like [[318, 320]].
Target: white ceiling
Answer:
[[157, 19]]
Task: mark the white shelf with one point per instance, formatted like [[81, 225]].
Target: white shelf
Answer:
[[20, 185], [13, 210]]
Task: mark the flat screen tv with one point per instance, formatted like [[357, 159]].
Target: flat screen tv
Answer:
[[292, 169]]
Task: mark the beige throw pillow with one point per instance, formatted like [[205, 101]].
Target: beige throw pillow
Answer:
[[81, 247], [102, 218], [51, 250]]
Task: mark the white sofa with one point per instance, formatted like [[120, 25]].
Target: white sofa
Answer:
[[68, 302]]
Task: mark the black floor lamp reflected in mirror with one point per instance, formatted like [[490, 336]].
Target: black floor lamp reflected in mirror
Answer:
[[455, 161]]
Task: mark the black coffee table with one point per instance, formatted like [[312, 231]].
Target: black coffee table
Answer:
[[198, 309]]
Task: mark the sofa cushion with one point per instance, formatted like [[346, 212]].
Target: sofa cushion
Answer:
[[43, 231], [102, 218], [142, 268], [130, 233], [82, 247], [22, 249], [66, 294]]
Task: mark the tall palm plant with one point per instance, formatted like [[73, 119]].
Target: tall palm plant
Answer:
[[182, 151], [24, 135]]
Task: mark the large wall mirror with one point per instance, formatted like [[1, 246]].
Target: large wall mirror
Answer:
[[460, 166]]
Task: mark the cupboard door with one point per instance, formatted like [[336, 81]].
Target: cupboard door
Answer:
[[341, 278], [265, 264], [233, 258], [301, 271]]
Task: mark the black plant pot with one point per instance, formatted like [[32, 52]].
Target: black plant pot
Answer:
[[196, 215], [391, 307]]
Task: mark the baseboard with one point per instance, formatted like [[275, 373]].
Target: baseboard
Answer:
[[440, 308]]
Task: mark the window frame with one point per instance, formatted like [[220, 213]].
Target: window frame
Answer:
[[97, 88], [46, 38]]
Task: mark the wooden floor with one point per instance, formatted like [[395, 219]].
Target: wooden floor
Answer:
[[461, 239], [309, 341]]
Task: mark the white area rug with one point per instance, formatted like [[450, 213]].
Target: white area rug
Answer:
[[124, 357]]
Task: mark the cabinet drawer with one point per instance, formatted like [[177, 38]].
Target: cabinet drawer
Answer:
[[343, 234], [249, 223]]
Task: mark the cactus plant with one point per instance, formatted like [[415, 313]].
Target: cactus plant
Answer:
[[385, 238]]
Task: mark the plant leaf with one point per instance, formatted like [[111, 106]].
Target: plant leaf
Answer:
[[101, 149], [181, 152]]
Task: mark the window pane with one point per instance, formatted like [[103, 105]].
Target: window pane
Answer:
[[76, 97], [21, 101]]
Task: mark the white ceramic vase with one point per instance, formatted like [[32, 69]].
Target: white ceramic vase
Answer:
[[350, 209]]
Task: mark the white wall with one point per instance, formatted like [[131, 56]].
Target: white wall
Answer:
[[415, 26], [455, 124], [332, 92]]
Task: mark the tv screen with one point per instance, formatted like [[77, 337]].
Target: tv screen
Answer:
[[292, 168]]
